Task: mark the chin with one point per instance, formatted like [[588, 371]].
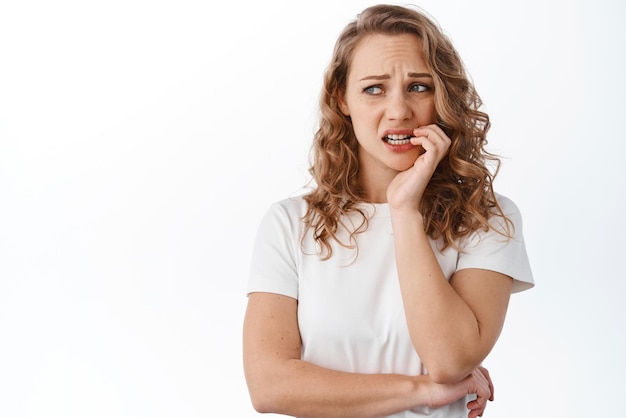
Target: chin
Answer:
[[400, 168], [403, 164]]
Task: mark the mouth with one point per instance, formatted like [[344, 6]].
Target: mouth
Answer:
[[396, 139]]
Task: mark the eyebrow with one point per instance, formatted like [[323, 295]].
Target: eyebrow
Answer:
[[387, 76]]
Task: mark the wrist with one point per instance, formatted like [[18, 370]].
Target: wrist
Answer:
[[406, 216], [408, 206], [422, 392], [438, 394]]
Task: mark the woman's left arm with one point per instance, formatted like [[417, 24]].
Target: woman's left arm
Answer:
[[455, 324]]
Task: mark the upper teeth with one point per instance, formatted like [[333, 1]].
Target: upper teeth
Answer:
[[396, 137]]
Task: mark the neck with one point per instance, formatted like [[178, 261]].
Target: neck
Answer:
[[375, 185]]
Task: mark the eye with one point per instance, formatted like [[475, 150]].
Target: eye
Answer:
[[373, 90], [419, 87]]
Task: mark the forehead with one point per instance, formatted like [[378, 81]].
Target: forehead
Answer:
[[379, 53]]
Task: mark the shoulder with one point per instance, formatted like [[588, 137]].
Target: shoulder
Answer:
[[513, 216], [284, 215], [509, 207], [501, 229], [274, 264], [292, 208], [292, 204]]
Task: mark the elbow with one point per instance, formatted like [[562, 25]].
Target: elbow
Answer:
[[444, 378], [265, 398], [261, 405], [263, 386], [269, 389], [262, 402], [449, 374], [449, 368]]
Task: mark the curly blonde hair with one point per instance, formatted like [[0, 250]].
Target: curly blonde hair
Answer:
[[459, 198]]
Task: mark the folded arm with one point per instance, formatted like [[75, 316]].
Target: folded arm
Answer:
[[280, 382], [453, 325]]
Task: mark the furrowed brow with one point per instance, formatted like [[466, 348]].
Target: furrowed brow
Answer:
[[419, 75], [376, 77], [387, 76]]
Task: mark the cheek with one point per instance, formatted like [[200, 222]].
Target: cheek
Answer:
[[362, 113], [430, 112]]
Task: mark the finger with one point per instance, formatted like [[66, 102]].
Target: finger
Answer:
[[440, 143], [439, 128], [483, 392], [421, 135], [428, 149], [485, 372], [475, 410], [477, 407], [434, 132], [418, 140]]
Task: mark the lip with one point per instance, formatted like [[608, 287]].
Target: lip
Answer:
[[399, 148]]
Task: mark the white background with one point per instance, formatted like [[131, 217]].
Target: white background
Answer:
[[142, 141]]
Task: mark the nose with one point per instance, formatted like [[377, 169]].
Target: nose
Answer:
[[398, 107]]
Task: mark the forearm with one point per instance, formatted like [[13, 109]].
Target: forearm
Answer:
[[443, 328], [279, 382], [298, 388]]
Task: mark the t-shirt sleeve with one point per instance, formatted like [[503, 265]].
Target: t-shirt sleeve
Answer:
[[273, 265], [490, 250]]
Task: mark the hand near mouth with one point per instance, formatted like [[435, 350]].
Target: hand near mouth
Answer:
[[406, 190]]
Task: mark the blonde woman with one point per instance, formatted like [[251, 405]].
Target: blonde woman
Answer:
[[381, 291]]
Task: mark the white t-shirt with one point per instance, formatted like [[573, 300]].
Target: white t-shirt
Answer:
[[350, 311]]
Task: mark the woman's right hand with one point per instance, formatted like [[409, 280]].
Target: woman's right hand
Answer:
[[478, 382]]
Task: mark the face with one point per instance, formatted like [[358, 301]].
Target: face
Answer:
[[389, 93]]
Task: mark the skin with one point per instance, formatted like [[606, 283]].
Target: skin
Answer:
[[389, 88], [457, 324], [453, 325]]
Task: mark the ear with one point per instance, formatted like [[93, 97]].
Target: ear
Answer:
[[342, 104]]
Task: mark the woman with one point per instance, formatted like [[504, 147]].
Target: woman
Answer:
[[381, 291]]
